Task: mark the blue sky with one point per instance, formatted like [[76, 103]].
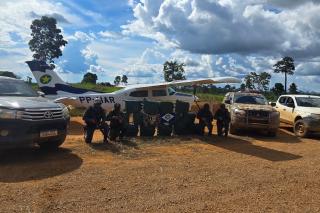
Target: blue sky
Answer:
[[212, 37]]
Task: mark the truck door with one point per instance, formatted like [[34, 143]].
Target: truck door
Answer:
[[288, 110], [280, 106]]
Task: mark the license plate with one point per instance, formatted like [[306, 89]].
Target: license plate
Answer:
[[49, 133]]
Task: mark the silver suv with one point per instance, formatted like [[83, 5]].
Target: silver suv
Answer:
[[26, 118], [251, 111]]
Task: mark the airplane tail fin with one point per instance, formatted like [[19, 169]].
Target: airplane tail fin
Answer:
[[49, 82]]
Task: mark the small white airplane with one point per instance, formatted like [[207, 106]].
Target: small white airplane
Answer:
[[55, 88]]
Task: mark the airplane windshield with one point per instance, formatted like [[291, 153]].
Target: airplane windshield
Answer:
[[171, 91]]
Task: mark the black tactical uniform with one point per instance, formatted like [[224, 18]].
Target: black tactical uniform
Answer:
[[205, 119], [117, 122], [95, 118], [223, 119]]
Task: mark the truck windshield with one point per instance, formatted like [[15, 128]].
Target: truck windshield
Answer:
[[16, 88], [308, 101], [251, 99]]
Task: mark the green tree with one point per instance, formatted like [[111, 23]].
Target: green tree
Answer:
[[263, 81], [46, 39], [286, 66], [173, 71], [278, 89], [248, 81], [8, 74], [124, 79], [89, 78], [243, 87], [293, 89], [117, 80], [227, 87], [258, 81]]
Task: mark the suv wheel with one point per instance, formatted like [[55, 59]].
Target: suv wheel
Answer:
[[52, 144], [272, 133], [300, 128]]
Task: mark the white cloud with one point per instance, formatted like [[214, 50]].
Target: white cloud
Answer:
[[131, 3], [152, 56], [110, 34], [16, 17], [95, 69], [88, 53], [82, 36], [220, 27], [308, 69]]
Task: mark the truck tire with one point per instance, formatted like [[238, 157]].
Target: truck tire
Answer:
[[233, 130], [52, 144], [272, 133], [300, 128]]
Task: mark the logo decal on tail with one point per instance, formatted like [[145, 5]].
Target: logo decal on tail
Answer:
[[45, 79]]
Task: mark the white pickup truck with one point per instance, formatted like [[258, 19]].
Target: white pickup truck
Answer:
[[301, 111]]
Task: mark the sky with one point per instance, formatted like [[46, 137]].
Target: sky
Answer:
[[213, 38]]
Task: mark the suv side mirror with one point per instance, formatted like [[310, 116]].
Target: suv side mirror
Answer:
[[41, 94], [227, 102], [273, 104]]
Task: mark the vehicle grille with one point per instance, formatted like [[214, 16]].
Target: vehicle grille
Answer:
[[42, 114], [258, 117], [258, 114], [257, 121]]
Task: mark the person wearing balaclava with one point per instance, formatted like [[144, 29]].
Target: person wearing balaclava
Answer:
[[117, 122], [95, 118]]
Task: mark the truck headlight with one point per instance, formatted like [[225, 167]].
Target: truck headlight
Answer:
[[8, 114], [239, 112], [65, 113], [275, 114]]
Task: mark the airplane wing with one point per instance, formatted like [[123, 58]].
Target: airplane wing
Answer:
[[66, 100], [194, 82]]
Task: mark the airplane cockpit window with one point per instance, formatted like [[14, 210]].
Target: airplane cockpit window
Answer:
[[139, 93], [159, 92], [171, 91]]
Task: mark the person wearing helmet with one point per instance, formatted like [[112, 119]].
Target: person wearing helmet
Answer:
[[95, 118], [117, 122], [223, 119], [205, 119]]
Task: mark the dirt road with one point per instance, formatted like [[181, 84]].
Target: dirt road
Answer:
[[248, 173]]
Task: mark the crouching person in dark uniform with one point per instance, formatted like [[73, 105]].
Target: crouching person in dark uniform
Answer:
[[95, 118], [223, 119], [117, 122], [205, 119]]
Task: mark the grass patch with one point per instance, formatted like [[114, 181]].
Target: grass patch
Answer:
[[207, 97], [74, 112], [96, 87]]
